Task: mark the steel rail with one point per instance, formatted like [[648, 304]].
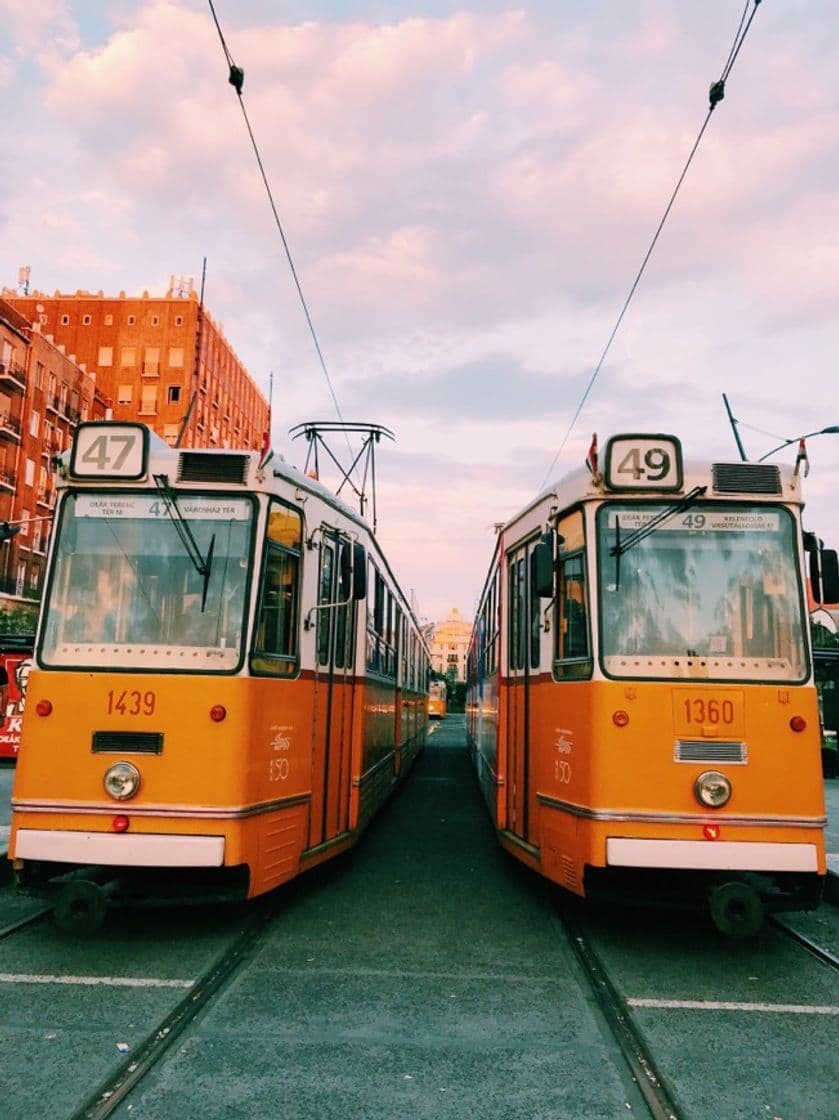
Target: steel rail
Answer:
[[812, 947], [22, 923], [116, 1088], [657, 1096]]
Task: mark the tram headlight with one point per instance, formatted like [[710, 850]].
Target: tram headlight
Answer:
[[712, 789], [122, 780]]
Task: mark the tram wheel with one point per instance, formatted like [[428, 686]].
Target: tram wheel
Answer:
[[736, 909], [80, 908]]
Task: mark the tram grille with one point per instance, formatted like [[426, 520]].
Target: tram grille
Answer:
[[203, 467], [748, 478], [700, 750], [127, 742]]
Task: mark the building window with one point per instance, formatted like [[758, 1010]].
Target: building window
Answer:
[[21, 578], [39, 375], [109, 320], [106, 356], [125, 394], [179, 320], [85, 320], [151, 361], [174, 394], [176, 357], [131, 320], [155, 320], [128, 356], [148, 399], [65, 319], [34, 420], [29, 473], [170, 433]]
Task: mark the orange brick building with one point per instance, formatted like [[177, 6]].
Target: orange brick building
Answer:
[[65, 358], [44, 392], [160, 360]]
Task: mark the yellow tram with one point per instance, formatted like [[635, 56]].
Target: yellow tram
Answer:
[[437, 699], [228, 681], [641, 709]]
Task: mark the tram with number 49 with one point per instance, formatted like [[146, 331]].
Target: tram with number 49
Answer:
[[641, 708], [227, 680]]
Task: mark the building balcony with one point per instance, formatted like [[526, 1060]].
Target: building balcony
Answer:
[[151, 369], [9, 427], [45, 498], [9, 586], [51, 402], [7, 482], [12, 377]]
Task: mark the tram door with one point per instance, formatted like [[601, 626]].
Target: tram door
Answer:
[[523, 661], [334, 692]]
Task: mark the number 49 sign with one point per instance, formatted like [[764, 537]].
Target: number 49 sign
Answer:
[[643, 462], [109, 450]]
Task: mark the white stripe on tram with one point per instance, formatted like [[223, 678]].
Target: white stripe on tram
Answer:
[[726, 1005], [93, 981]]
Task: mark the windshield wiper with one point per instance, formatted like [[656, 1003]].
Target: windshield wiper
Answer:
[[629, 541], [202, 564]]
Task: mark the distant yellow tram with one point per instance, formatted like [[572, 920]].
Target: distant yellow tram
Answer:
[[227, 682], [641, 706], [437, 699]]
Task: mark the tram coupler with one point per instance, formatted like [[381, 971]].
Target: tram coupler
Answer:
[[736, 908], [81, 904]]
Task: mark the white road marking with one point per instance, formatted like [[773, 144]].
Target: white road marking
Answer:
[[725, 1005], [92, 981]]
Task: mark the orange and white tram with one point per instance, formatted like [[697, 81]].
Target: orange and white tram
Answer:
[[641, 706], [228, 681], [437, 699]]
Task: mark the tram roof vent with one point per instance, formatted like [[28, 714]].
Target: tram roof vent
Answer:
[[199, 466], [747, 478]]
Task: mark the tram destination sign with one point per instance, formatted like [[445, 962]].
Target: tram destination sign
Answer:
[[109, 450], [707, 520], [643, 462], [147, 507]]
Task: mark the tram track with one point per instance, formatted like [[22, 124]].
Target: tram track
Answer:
[[812, 947], [117, 1086], [637, 1055], [22, 923]]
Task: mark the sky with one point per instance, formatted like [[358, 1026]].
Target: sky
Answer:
[[468, 192]]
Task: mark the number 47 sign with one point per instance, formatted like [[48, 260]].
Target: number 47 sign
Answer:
[[109, 450]]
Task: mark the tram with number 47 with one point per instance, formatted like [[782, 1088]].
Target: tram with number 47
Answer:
[[641, 708], [227, 680]]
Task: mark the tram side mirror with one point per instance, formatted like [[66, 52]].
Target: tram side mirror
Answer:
[[542, 570], [359, 571], [824, 576]]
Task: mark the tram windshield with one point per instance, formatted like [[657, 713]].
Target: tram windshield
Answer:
[[138, 585], [713, 591]]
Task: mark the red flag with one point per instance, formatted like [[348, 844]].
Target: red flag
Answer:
[[800, 458], [591, 458]]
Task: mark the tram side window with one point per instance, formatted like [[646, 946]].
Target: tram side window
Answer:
[[572, 650], [277, 645], [518, 616], [327, 555]]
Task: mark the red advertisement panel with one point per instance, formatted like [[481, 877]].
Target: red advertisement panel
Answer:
[[16, 668]]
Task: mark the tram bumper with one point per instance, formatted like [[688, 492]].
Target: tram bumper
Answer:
[[135, 869]]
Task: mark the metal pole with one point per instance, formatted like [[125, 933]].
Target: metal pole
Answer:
[[733, 423]]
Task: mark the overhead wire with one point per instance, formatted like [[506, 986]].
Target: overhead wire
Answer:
[[715, 95], [236, 78]]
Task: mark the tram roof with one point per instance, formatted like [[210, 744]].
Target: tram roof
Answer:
[[579, 485]]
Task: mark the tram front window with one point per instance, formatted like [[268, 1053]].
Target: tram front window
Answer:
[[135, 585], [713, 590]]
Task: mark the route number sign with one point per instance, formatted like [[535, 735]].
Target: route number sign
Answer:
[[643, 462], [109, 450]]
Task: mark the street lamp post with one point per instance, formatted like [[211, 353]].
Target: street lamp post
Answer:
[[833, 429]]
